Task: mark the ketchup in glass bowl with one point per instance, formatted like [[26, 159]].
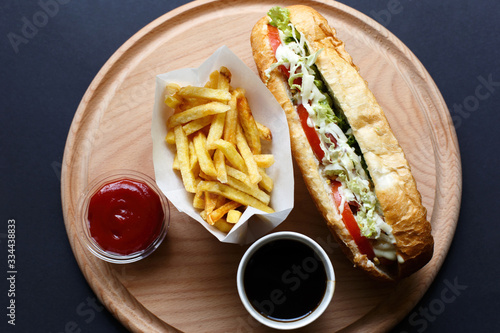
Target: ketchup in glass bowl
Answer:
[[123, 216]]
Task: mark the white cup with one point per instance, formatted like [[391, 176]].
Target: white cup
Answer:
[[313, 314]]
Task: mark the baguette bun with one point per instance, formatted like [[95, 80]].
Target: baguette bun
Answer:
[[393, 182]]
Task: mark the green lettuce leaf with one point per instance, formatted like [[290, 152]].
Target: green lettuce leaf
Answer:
[[280, 17]]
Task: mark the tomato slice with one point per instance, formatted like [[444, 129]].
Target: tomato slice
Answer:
[[361, 241], [310, 132], [274, 37], [275, 41]]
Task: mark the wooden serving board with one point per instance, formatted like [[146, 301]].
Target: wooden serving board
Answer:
[[189, 283]]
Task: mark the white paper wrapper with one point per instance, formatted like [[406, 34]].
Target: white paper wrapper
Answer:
[[253, 223]]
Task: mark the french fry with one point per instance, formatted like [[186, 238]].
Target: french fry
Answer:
[[198, 200], [219, 95], [248, 125], [204, 159], [190, 128], [175, 163], [196, 125], [213, 80], [210, 203], [170, 138], [216, 130], [232, 155], [222, 210], [233, 216], [172, 88], [220, 166], [264, 160], [189, 102], [223, 226], [237, 174], [232, 118], [171, 98], [254, 191], [182, 145], [204, 176], [220, 201], [224, 79], [193, 159], [173, 101], [246, 153], [233, 194], [265, 133], [196, 112], [267, 182]]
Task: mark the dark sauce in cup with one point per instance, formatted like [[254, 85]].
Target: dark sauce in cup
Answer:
[[285, 280]]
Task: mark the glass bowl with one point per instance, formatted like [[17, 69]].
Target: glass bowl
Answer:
[[83, 224]]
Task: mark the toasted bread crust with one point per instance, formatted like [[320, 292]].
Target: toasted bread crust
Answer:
[[394, 184]]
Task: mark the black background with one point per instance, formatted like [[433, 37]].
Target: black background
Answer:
[[43, 82]]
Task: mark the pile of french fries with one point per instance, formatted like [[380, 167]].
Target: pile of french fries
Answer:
[[218, 149]]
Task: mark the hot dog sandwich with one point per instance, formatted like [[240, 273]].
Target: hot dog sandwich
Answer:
[[351, 162]]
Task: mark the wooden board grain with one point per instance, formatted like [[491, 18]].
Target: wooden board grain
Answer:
[[189, 283]]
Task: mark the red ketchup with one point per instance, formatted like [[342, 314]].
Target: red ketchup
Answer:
[[125, 217]]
